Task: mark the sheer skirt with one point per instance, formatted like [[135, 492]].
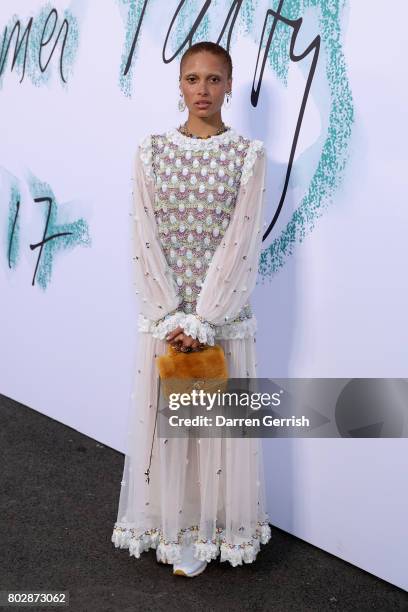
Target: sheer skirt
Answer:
[[209, 491]]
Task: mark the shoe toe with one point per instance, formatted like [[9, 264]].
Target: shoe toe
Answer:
[[190, 570], [188, 565]]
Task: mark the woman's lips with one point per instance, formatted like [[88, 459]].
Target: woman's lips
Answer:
[[203, 104]]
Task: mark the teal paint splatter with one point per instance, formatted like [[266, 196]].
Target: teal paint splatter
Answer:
[[246, 17], [131, 11], [278, 55], [71, 46], [78, 231], [331, 166], [185, 19], [31, 41], [13, 228]]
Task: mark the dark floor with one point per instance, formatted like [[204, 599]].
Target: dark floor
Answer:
[[58, 505]]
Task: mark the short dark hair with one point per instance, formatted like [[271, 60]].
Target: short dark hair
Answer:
[[212, 47]]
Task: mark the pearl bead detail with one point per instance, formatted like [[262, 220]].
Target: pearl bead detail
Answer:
[[197, 186]]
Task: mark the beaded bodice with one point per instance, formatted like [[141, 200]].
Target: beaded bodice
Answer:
[[196, 186]]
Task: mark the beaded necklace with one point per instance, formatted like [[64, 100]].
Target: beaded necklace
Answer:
[[184, 130]]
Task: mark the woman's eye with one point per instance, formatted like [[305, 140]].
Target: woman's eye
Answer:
[[192, 79]]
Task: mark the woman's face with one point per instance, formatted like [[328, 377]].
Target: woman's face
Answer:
[[204, 77]]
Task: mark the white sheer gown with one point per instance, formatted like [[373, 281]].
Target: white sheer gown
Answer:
[[198, 213]]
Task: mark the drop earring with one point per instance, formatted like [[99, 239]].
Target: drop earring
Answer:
[[181, 103], [228, 97]]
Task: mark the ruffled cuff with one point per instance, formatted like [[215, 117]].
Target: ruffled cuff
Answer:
[[192, 324]]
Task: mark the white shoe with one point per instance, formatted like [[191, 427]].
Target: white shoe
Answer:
[[188, 565]]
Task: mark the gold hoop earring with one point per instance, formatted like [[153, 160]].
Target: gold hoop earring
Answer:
[[181, 103]]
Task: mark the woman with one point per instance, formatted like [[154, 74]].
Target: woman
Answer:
[[199, 204]]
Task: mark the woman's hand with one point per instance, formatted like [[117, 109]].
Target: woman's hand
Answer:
[[180, 340]]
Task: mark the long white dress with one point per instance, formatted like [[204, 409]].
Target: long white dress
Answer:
[[198, 222]]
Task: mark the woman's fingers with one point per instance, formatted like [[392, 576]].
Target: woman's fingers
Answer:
[[187, 341], [178, 337], [171, 335], [193, 343], [183, 340], [197, 345]]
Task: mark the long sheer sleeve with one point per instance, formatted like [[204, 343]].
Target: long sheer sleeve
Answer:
[[231, 276], [154, 279]]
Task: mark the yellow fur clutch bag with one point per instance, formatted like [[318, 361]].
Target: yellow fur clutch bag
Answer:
[[177, 369]]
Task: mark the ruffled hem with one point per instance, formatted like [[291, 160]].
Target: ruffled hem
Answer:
[[229, 331], [191, 324], [124, 536]]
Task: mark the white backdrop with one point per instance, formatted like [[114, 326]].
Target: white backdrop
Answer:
[[331, 305]]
